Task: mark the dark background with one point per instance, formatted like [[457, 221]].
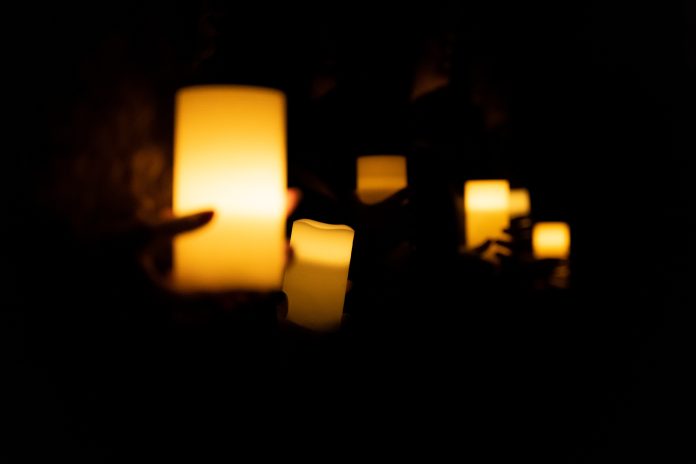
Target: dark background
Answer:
[[590, 105]]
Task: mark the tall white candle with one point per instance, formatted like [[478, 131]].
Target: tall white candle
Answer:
[[486, 209], [379, 177], [230, 156], [316, 280]]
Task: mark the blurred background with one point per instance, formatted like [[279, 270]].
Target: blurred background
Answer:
[[589, 105]]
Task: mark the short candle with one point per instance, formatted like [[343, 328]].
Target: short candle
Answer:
[[551, 240], [316, 280]]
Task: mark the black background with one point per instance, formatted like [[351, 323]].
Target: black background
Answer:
[[599, 106]]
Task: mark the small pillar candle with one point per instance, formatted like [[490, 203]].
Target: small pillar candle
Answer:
[[551, 240], [486, 209], [380, 176], [316, 280]]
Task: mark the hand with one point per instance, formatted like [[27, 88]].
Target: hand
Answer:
[[200, 306], [518, 262]]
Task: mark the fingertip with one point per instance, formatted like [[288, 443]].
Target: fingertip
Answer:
[[201, 218], [206, 214]]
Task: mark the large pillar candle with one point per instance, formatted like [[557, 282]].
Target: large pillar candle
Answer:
[[486, 209], [551, 240], [380, 176], [316, 280], [230, 156]]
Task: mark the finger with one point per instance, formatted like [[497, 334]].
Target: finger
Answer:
[[503, 254], [147, 237], [483, 247], [502, 257], [171, 227]]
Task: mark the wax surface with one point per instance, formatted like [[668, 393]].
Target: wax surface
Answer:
[[316, 280], [230, 156], [380, 176]]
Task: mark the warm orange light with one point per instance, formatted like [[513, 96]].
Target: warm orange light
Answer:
[[316, 281], [486, 209], [380, 176], [230, 156], [519, 203], [551, 240]]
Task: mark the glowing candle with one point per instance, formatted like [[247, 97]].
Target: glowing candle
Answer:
[[519, 203], [380, 177], [486, 209], [230, 156], [551, 240], [316, 281]]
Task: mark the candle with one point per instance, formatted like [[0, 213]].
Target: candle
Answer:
[[380, 176], [230, 156], [316, 281], [486, 209], [520, 205], [551, 240]]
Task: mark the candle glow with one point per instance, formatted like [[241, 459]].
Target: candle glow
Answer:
[[230, 156], [379, 177], [486, 209], [551, 240], [316, 281]]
